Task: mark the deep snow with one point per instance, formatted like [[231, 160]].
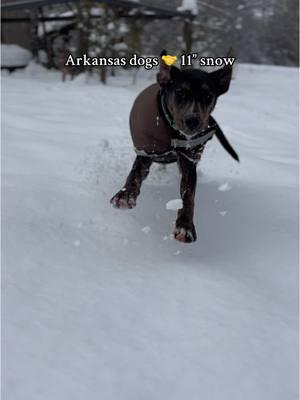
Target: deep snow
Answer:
[[103, 304]]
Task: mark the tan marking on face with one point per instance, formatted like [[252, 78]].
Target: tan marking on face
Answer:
[[180, 111], [188, 107]]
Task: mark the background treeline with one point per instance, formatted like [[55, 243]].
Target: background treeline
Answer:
[[259, 31]]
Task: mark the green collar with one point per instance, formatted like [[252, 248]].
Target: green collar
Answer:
[[166, 111]]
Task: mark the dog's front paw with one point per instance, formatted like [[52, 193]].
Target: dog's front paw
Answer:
[[185, 234], [125, 199]]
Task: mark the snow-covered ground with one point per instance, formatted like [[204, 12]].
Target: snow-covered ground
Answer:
[[104, 304]]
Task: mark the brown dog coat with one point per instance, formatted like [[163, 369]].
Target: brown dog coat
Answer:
[[153, 136]]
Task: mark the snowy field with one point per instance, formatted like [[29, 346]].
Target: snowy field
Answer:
[[104, 304]]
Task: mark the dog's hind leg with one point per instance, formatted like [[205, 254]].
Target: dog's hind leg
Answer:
[[184, 228], [126, 197]]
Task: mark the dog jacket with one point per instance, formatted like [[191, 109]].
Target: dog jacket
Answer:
[[154, 135]]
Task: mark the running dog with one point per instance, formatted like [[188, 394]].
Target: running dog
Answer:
[[171, 121]]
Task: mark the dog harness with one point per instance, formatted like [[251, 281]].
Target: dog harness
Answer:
[[155, 134]]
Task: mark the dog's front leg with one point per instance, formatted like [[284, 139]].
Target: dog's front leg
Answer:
[[126, 197], [184, 228]]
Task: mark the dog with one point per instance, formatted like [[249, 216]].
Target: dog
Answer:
[[171, 121]]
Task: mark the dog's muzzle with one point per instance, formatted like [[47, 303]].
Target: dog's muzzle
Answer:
[[192, 122]]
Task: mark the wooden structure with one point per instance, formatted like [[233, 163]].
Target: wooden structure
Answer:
[[22, 18]]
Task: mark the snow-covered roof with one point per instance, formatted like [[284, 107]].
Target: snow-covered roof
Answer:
[[126, 4]]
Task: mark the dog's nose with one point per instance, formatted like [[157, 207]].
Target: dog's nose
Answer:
[[192, 122]]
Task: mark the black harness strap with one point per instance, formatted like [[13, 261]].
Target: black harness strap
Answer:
[[200, 138], [224, 142]]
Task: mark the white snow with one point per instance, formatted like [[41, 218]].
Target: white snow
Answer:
[[121, 317], [146, 229], [97, 11], [13, 55], [50, 26], [174, 204], [223, 213], [122, 46], [224, 187], [189, 5]]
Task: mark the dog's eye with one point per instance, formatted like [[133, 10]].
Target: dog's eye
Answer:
[[180, 92], [207, 97]]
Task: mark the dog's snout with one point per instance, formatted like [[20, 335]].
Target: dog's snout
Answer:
[[192, 122]]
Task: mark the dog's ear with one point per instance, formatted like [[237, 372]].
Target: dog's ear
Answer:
[[175, 73], [166, 72], [163, 75], [222, 78]]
